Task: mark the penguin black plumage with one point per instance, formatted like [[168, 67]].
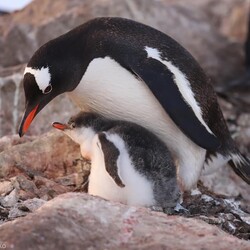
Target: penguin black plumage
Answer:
[[126, 70], [128, 163]]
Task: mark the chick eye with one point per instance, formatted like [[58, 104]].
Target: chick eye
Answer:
[[48, 89]]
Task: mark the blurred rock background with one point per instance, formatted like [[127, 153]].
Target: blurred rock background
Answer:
[[213, 31], [42, 167]]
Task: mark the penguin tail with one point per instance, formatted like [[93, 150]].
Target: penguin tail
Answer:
[[241, 166]]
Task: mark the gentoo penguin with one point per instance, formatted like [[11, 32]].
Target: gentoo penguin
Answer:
[[129, 164], [125, 70]]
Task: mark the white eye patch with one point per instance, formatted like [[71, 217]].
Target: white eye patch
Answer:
[[42, 77]]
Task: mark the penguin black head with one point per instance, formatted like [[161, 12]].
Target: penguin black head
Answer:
[[55, 68], [82, 129], [39, 90], [83, 121]]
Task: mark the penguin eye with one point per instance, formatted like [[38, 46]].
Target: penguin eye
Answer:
[[48, 89]]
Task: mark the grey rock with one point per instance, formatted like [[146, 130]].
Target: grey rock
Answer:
[[25, 207], [10, 199], [5, 187], [52, 154], [44, 167], [6, 142], [202, 27], [80, 221], [213, 31], [225, 182]]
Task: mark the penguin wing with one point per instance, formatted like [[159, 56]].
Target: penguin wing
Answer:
[[161, 81], [111, 154]]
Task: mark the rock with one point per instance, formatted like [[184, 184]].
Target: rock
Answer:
[[26, 185], [230, 19], [52, 154], [4, 213], [8, 141], [48, 187], [226, 212], [44, 167], [213, 31], [77, 180], [203, 24], [244, 120], [25, 207], [5, 187], [80, 221], [226, 182], [10, 199], [33, 204], [40, 187], [242, 137], [10, 94]]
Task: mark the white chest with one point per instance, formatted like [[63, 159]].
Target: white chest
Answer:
[[138, 191], [111, 90], [100, 182]]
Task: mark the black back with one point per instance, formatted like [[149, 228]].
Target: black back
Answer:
[[69, 55]]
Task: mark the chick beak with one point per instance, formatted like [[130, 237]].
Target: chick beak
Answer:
[[60, 126]]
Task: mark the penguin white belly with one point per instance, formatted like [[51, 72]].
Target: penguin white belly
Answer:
[[138, 191], [100, 182], [111, 90]]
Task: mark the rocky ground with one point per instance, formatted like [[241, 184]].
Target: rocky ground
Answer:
[[79, 221], [29, 181], [43, 179]]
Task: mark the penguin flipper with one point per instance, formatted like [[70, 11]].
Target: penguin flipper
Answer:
[[241, 166], [160, 81], [111, 154]]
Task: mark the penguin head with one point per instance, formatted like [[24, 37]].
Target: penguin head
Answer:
[[50, 72], [80, 128]]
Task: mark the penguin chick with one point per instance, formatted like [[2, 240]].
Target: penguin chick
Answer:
[[129, 164]]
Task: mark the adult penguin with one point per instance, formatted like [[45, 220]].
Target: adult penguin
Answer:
[[125, 70]]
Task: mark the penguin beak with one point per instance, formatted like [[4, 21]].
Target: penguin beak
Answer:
[[60, 126], [27, 119]]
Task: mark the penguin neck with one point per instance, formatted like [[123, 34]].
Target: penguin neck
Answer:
[[84, 137]]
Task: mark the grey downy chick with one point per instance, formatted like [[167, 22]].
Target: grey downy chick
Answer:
[[129, 164]]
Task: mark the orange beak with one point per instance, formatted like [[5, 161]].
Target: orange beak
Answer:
[[28, 120], [60, 126]]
